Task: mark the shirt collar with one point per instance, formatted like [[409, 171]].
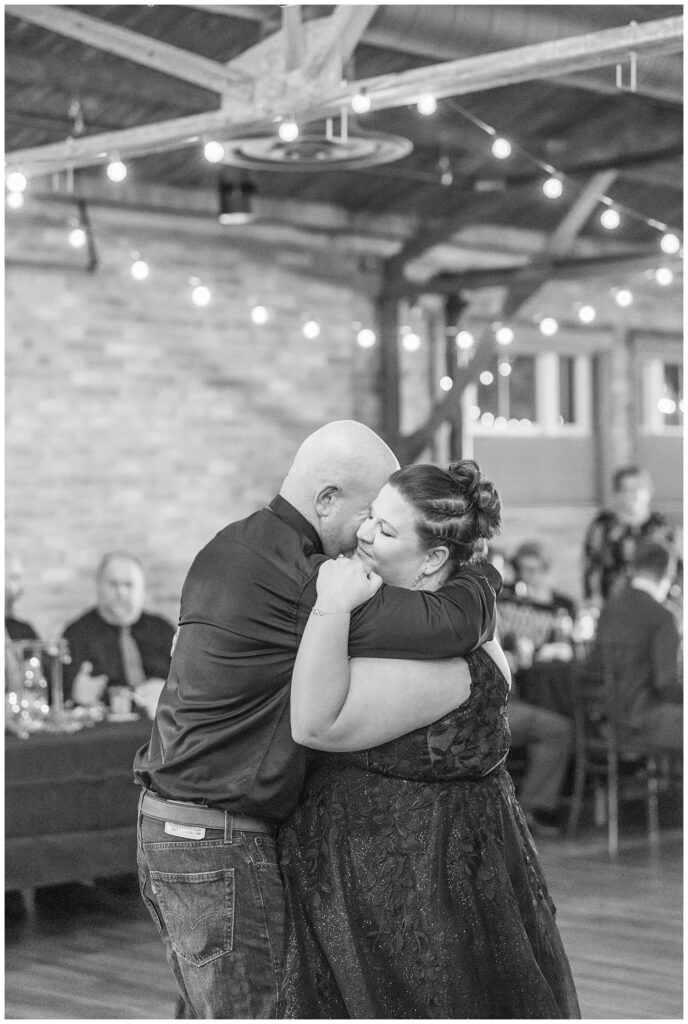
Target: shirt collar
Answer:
[[292, 517], [649, 586]]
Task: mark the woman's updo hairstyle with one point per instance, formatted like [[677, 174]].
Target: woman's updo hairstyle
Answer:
[[457, 507]]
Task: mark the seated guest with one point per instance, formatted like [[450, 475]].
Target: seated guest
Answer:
[[646, 642], [535, 622], [15, 629], [614, 534], [117, 643]]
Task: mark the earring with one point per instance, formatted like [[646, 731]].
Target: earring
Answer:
[[418, 580]]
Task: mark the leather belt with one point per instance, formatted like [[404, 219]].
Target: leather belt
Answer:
[[195, 814]]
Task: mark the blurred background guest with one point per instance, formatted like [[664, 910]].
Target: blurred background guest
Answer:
[[535, 626], [15, 629], [646, 645], [117, 643], [614, 534]]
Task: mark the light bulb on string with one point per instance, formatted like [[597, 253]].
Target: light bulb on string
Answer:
[[411, 341], [623, 297], [259, 315], [444, 167], [504, 369], [213, 151], [366, 338], [446, 383], [361, 102], [116, 170], [77, 238], [670, 244], [586, 314], [504, 335], [139, 269], [610, 218], [465, 340], [427, 105], [311, 329], [201, 295], [15, 200], [288, 130], [486, 378], [553, 187], [501, 148], [15, 181], [548, 326], [664, 276]]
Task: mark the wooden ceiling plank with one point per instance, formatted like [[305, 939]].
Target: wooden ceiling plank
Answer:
[[292, 31], [345, 30], [564, 235], [171, 60], [273, 99], [506, 67]]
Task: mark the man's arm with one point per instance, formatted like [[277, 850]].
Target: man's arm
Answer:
[[665, 662]]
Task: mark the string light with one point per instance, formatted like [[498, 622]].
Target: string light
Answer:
[[553, 187], [501, 148], [486, 378], [213, 151], [586, 314], [77, 238], [116, 170], [444, 166], [504, 335], [504, 369], [549, 326], [487, 419], [623, 297], [465, 340], [446, 383], [288, 130], [670, 244], [664, 276], [260, 315], [361, 102], [411, 341], [366, 338], [139, 270], [426, 105], [311, 329], [201, 295], [610, 218], [15, 200], [15, 181]]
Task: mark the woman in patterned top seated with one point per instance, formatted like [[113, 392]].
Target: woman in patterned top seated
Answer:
[[413, 886]]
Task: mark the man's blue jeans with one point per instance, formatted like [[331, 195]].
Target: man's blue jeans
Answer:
[[218, 904]]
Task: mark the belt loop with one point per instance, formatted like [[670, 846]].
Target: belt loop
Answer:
[[229, 820], [138, 816]]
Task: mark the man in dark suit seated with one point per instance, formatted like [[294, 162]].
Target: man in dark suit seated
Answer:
[[646, 640], [15, 629], [117, 643]]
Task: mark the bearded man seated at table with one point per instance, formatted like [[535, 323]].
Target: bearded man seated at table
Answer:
[[117, 643], [534, 621]]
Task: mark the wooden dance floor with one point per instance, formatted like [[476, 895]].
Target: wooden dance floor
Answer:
[[84, 953]]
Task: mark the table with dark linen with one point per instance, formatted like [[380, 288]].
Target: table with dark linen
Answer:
[[550, 685], [70, 804]]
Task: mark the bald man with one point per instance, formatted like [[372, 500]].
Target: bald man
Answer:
[[221, 770]]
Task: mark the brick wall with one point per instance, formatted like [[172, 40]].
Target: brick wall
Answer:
[[136, 420]]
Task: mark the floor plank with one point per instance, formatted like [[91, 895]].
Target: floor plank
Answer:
[[93, 952]]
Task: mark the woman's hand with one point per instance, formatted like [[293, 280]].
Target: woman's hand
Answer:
[[343, 584]]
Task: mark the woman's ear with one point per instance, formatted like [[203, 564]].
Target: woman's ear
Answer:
[[435, 559], [324, 500]]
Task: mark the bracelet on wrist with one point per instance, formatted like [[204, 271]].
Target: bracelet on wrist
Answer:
[[321, 611]]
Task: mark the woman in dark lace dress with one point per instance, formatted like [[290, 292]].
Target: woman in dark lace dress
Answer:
[[413, 886]]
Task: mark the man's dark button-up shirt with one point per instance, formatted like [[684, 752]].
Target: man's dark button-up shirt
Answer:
[[222, 734]]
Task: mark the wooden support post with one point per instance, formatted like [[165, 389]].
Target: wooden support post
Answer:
[[388, 328]]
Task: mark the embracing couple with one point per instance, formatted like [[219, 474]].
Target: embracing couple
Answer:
[[326, 827]]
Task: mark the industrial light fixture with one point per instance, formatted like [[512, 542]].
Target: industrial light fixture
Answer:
[[236, 202]]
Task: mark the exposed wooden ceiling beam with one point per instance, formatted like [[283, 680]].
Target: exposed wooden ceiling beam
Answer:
[[134, 46], [277, 95], [563, 236], [345, 29]]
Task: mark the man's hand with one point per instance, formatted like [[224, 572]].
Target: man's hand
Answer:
[[146, 695], [88, 689]]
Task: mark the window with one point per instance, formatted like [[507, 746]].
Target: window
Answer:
[[662, 396], [545, 393]]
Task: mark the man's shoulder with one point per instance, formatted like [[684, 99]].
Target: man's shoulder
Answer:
[[84, 623], [155, 621]]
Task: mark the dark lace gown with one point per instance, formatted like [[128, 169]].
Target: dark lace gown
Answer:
[[413, 886]]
